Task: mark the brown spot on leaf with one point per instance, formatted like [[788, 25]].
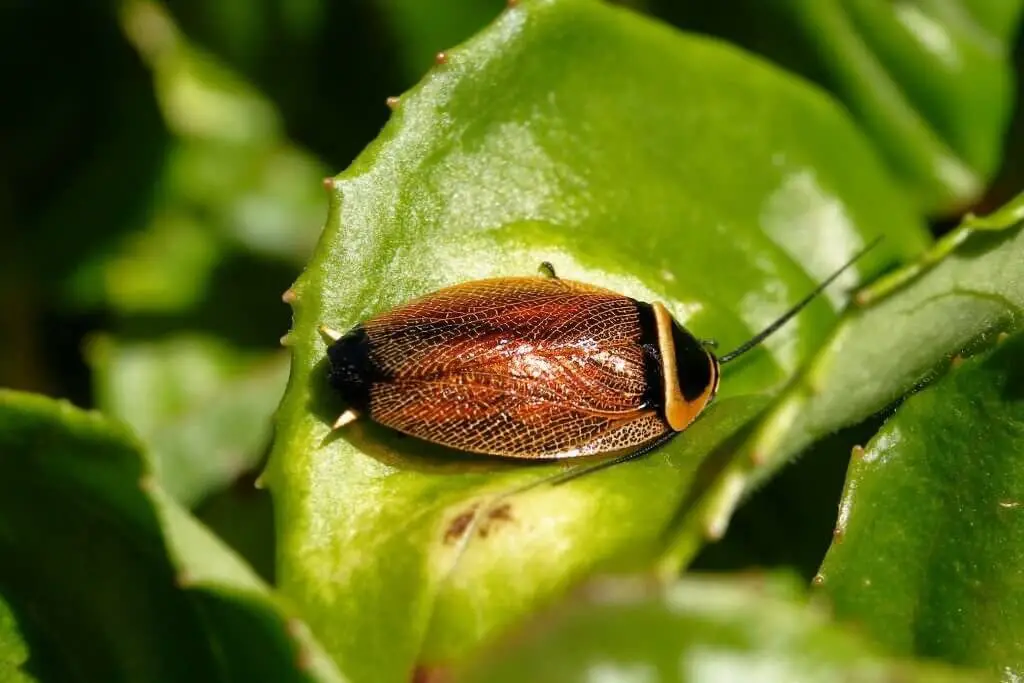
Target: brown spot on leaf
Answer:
[[431, 674], [392, 102], [441, 58], [503, 512], [289, 296], [457, 527], [818, 580], [499, 514]]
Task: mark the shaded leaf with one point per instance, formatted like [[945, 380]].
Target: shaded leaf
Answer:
[[704, 629], [242, 516], [933, 83], [331, 65], [506, 156], [788, 522], [202, 407], [81, 145], [123, 582], [82, 148], [927, 556], [232, 182]]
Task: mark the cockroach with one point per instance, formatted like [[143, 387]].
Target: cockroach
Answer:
[[536, 368]]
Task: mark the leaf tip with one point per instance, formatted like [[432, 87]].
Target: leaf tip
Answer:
[[147, 483], [184, 579], [862, 298], [299, 634], [728, 496]]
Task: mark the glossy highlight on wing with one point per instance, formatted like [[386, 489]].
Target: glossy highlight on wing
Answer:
[[521, 367]]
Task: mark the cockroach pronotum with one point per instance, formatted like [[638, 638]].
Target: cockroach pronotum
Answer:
[[537, 368]]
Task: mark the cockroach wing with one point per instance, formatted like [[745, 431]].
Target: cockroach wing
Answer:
[[518, 367]]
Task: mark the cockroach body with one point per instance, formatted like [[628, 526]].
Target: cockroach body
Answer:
[[532, 368]]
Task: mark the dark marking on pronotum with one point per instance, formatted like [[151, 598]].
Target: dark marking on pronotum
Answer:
[[691, 363], [654, 382], [353, 371]]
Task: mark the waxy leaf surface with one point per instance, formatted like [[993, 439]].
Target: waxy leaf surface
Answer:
[[504, 156], [927, 556]]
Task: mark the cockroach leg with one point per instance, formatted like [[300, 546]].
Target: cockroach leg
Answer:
[[709, 343], [329, 333], [547, 270], [347, 417]]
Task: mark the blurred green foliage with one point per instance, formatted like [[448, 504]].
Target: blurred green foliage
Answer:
[[161, 173]]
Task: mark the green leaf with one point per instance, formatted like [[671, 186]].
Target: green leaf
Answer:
[[932, 82], [124, 584], [967, 288], [201, 406], [503, 157], [928, 554], [702, 629], [13, 648]]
